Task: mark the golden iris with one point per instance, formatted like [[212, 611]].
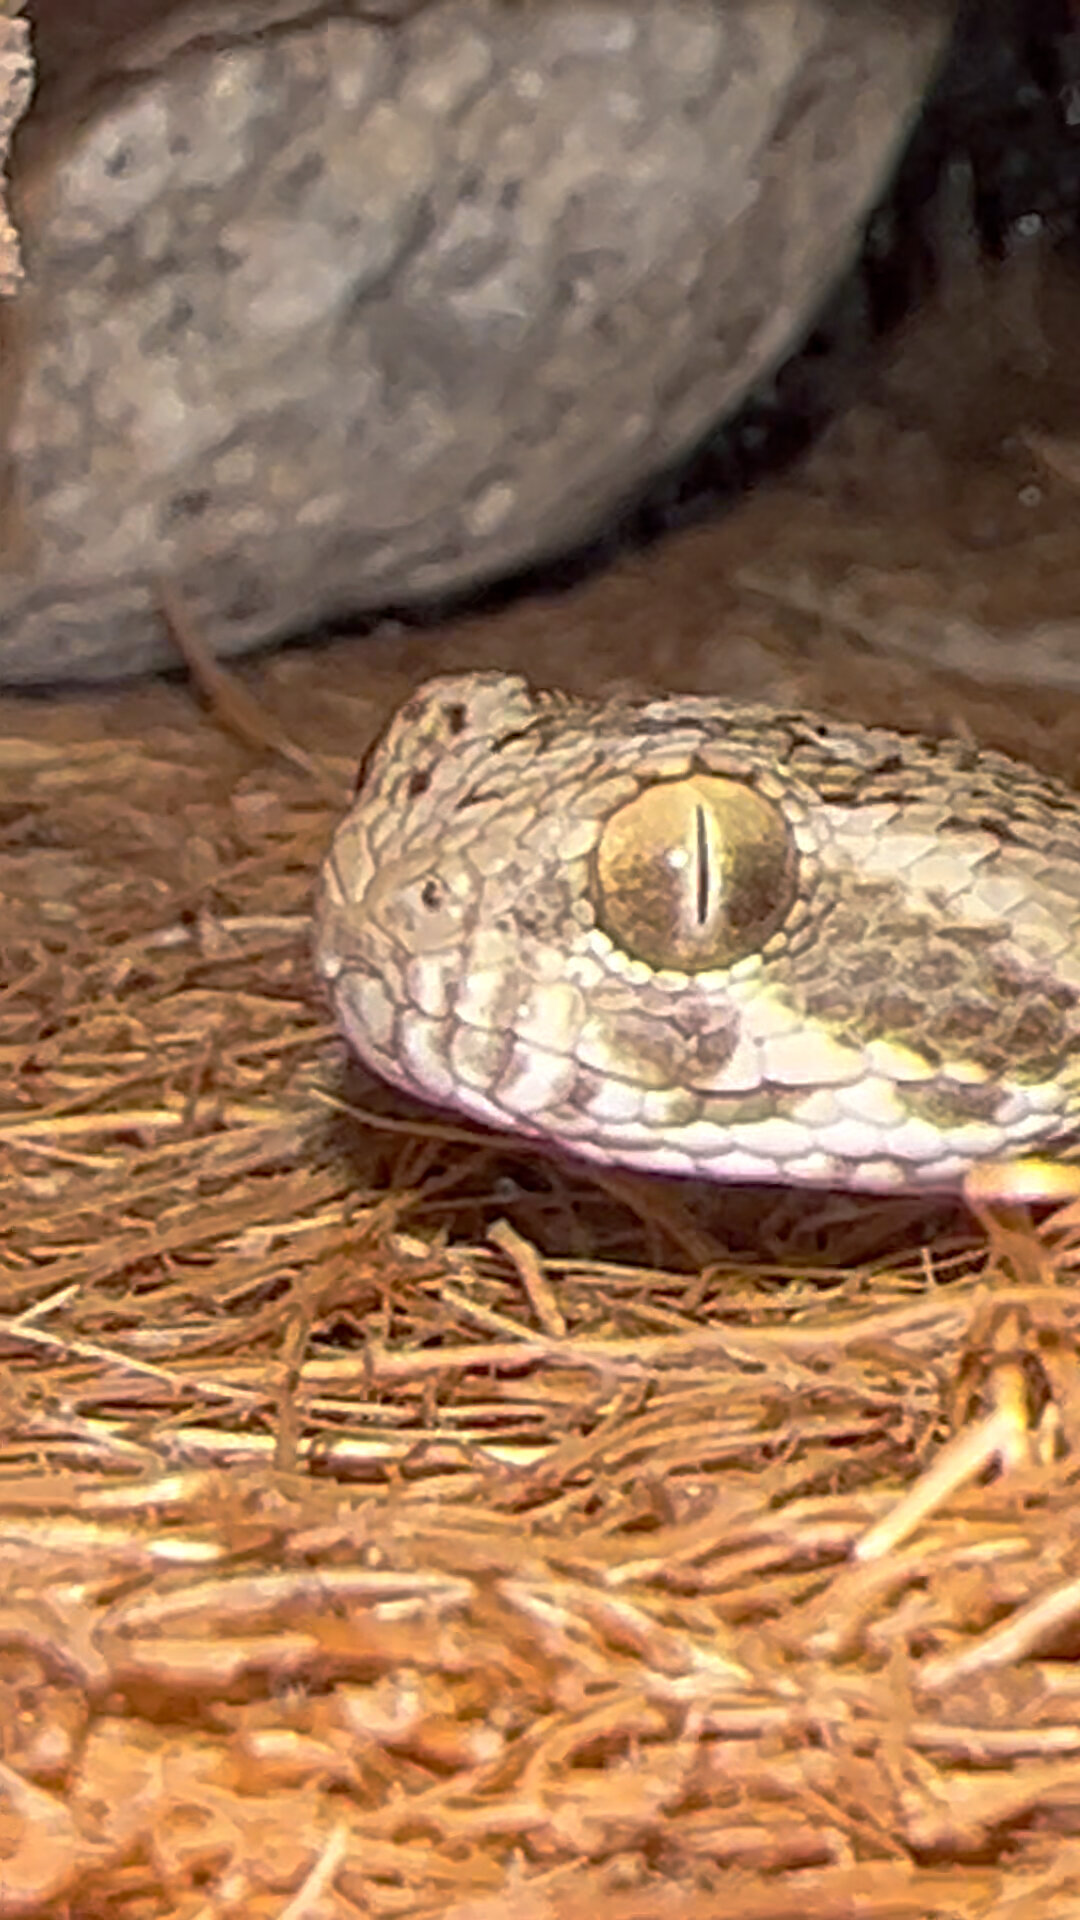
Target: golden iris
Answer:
[[695, 873]]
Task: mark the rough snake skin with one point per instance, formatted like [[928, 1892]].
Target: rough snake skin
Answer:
[[703, 939]]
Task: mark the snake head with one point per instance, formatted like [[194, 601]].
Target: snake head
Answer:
[[697, 938]]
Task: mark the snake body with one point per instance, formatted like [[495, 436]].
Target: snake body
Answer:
[[697, 938]]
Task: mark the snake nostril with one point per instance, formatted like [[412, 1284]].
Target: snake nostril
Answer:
[[431, 895]]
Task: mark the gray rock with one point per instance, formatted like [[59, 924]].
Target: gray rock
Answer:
[[16, 86], [344, 314]]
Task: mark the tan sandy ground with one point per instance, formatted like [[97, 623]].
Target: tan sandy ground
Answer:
[[395, 1521]]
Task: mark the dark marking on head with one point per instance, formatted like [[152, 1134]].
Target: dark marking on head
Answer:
[[477, 796]]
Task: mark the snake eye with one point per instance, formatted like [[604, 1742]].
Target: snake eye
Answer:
[[694, 873]]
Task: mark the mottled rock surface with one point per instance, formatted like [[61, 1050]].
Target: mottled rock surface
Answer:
[[16, 85], [347, 313]]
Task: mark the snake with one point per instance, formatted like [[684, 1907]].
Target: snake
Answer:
[[698, 938]]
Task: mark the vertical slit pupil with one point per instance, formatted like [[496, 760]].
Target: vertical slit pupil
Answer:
[[703, 875]]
